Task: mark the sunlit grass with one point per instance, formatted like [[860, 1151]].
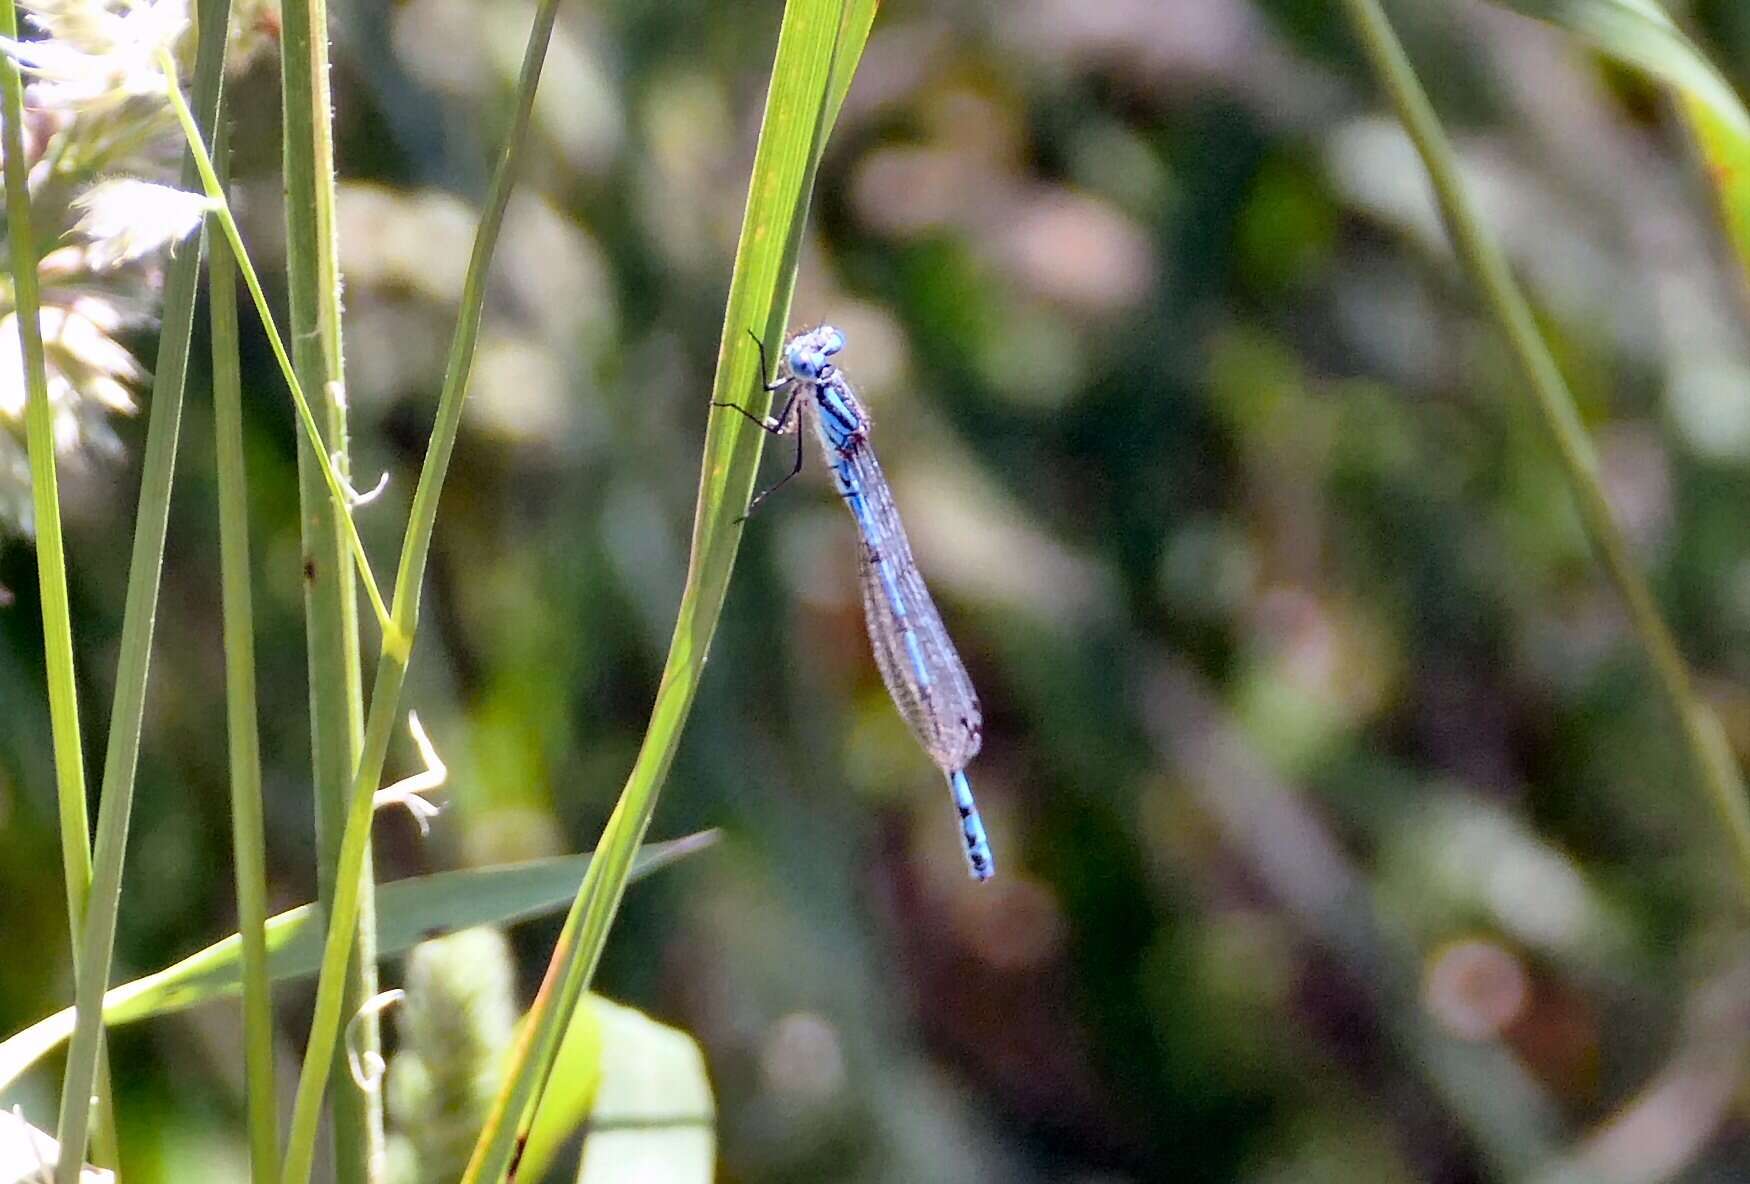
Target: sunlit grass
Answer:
[[819, 45]]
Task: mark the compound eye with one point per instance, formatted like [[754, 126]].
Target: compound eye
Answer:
[[835, 341]]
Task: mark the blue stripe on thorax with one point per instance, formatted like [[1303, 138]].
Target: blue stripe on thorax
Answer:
[[837, 417]]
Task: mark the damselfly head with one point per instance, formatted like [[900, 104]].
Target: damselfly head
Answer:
[[807, 354]]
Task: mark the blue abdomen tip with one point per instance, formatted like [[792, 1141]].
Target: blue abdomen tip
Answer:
[[979, 860]]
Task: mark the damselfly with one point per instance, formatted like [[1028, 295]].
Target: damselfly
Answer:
[[918, 662]]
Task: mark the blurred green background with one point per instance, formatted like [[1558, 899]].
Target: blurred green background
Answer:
[[1341, 834]]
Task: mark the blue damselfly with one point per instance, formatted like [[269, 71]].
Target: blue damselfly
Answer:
[[917, 659]]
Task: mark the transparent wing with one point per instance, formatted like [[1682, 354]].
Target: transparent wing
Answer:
[[918, 662]]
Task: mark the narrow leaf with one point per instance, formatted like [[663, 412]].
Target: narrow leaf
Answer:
[[409, 912], [1641, 35], [810, 49]]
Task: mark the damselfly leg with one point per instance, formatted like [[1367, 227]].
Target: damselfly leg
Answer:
[[772, 426]]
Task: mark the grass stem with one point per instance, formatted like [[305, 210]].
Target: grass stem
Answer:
[[1722, 782], [248, 829]]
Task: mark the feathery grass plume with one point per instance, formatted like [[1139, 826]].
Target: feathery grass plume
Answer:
[[128, 219], [102, 142], [455, 1025], [96, 56]]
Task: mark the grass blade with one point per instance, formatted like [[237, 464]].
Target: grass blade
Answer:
[[1722, 783], [330, 604], [404, 616], [1725, 149], [1641, 35], [248, 830], [814, 41], [121, 756], [410, 911], [859, 19], [51, 553]]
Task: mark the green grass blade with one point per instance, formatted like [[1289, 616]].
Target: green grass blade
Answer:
[[1641, 35], [404, 617], [1725, 149], [248, 830], [334, 985], [330, 605], [760, 285], [336, 484], [409, 911], [51, 554], [45, 493], [859, 18], [139, 615], [791, 137], [1721, 781]]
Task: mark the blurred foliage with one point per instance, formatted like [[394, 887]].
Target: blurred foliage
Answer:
[[454, 1026], [1342, 835]]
